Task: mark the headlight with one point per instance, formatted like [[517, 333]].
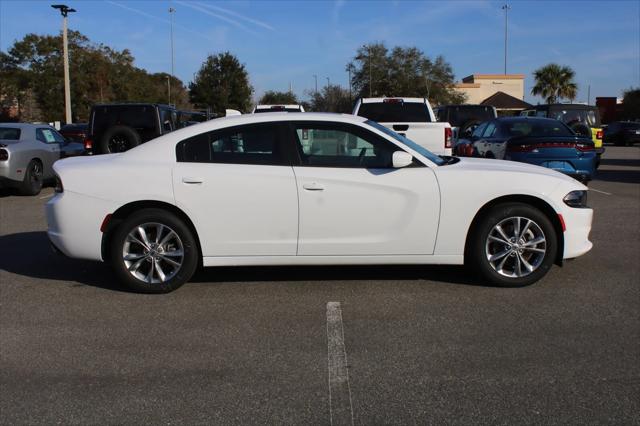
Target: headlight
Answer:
[[577, 199]]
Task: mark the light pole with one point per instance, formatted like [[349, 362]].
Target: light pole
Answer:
[[171, 12], [506, 8], [315, 77], [64, 11], [370, 82], [328, 82]]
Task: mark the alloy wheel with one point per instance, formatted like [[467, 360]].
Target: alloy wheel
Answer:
[[516, 247], [153, 253]]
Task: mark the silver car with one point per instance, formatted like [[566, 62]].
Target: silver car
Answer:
[[27, 154]]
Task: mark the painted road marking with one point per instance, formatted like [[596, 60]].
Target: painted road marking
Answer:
[[340, 405], [46, 196], [602, 192]]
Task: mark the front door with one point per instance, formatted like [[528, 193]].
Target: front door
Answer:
[[238, 187], [353, 203]]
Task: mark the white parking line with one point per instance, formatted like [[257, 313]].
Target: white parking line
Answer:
[[45, 196], [340, 405], [601, 192]]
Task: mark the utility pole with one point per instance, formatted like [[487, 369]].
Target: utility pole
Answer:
[[506, 8], [316, 79], [589, 95], [349, 69], [370, 60], [64, 11], [171, 12], [169, 89], [328, 82]]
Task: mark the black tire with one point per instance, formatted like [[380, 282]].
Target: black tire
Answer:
[[33, 177], [176, 276], [479, 246], [119, 139]]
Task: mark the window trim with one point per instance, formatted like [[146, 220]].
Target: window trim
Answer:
[[366, 134], [281, 141]]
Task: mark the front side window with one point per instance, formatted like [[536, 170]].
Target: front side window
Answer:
[[340, 145], [258, 144], [477, 133], [489, 131]]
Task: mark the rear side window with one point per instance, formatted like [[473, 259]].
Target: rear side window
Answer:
[[49, 136], [489, 131], [9, 133], [259, 144], [395, 112]]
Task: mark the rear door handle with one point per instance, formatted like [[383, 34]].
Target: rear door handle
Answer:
[[192, 180], [313, 186]]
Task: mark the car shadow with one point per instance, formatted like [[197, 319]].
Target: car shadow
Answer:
[[620, 162], [30, 254], [620, 176]]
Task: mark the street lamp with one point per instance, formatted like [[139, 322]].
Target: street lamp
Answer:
[[506, 8], [370, 82], [64, 11], [171, 12]]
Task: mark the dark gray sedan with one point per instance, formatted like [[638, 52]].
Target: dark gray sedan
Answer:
[[27, 154]]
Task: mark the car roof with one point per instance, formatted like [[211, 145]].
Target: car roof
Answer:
[[522, 118], [267, 106], [25, 125], [563, 106], [287, 116], [380, 100]]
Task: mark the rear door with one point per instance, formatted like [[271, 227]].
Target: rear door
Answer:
[[353, 203], [238, 187]]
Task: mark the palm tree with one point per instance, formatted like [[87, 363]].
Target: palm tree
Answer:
[[554, 82]]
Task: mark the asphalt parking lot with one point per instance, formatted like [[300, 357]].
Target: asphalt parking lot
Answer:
[[310, 345]]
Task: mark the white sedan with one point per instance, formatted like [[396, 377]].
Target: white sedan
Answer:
[[310, 189]]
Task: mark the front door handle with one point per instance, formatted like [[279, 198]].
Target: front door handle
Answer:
[[313, 186], [192, 180]]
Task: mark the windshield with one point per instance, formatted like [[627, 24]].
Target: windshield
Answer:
[[535, 128], [277, 109], [9, 133], [408, 142], [395, 112], [570, 117]]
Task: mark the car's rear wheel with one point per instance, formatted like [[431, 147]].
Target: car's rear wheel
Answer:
[[33, 177], [153, 251], [512, 245]]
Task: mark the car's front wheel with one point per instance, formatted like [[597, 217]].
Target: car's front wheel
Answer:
[[512, 245], [153, 251]]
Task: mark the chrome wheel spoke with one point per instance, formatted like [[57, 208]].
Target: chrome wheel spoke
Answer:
[[169, 260], [134, 256], [167, 238], [499, 256], [526, 264], [159, 229], [537, 250], [149, 277], [516, 228], [518, 267], [136, 265], [173, 253], [498, 240], [143, 236], [535, 242], [161, 274], [501, 232], [526, 227]]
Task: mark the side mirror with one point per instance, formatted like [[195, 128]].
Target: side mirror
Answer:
[[401, 159]]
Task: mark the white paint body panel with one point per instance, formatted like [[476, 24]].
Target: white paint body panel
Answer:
[[262, 215]]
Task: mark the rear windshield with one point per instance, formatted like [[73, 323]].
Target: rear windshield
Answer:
[[462, 115], [277, 110], [396, 112], [136, 116], [9, 133], [535, 128], [571, 117]]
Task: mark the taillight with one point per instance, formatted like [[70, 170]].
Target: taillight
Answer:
[[599, 134], [448, 137], [585, 147], [469, 150], [392, 101], [4, 155], [58, 188], [88, 144]]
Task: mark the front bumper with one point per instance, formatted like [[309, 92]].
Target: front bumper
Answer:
[[576, 236]]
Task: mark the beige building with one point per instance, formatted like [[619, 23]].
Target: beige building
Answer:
[[479, 87]]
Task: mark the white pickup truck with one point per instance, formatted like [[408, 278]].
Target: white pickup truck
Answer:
[[410, 117]]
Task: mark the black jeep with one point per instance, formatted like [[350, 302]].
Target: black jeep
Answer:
[[119, 127]]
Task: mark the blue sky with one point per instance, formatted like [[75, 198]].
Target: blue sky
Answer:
[[287, 42]]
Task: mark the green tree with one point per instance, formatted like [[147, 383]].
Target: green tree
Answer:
[[222, 82], [406, 72], [272, 97], [631, 104], [554, 82], [332, 98]]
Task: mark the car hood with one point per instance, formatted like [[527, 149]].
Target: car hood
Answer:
[[485, 164]]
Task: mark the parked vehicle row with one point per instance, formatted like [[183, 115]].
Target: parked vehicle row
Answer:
[[464, 118], [622, 133], [333, 189], [541, 141]]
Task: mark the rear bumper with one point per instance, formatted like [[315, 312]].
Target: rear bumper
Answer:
[[581, 168]]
